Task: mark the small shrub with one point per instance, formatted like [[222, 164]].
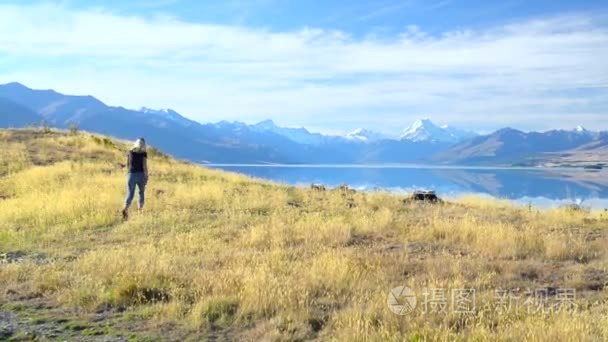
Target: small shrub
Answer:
[[222, 309], [133, 294], [153, 152], [73, 128], [45, 127], [215, 311]]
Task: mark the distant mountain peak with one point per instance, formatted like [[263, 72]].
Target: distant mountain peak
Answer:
[[425, 130], [421, 123], [508, 130], [582, 131], [14, 85], [168, 114], [300, 135], [357, 133], [22, 89], [267, 124], [360, 131], [364, 135]]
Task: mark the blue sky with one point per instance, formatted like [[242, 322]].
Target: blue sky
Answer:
[[331, 66]]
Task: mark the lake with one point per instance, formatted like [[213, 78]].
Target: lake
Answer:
[[544, 187]]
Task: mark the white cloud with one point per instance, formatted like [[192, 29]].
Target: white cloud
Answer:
[[524, 73]]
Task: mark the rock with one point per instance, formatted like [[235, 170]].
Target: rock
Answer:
[[346, 189], [425, 196], [293, 204], [20, 256], [12, 257], [7, 325], [6, 331], [318, 187]]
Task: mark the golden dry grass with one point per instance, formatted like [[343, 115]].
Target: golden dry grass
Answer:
[[223, 256]]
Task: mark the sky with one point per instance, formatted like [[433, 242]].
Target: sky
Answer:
[[330, 66]]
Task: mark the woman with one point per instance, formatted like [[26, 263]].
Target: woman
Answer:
[[137, 164]]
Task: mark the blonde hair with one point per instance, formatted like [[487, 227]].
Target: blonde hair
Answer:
[[139, 145]]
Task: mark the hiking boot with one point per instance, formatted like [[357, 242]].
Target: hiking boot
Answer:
[[125, 214]]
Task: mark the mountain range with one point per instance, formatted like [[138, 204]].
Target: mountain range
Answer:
[[426, 130], [266, 142]]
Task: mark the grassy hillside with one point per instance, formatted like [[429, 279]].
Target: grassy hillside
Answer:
[[221, 256]]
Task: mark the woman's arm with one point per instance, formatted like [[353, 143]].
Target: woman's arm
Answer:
[[146, 167]]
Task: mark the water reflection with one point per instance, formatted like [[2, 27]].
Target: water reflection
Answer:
[[547, 187]]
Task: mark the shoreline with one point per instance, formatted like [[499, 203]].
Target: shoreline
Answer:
[[399, 166]]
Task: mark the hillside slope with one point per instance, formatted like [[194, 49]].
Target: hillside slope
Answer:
[[219, 256], [509, 146], [177, 135], [14, 115], [593, 153]]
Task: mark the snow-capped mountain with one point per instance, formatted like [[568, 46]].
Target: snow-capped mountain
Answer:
[[364, 135], [265, 142], [574, 133], [168, 114], [299, 135], [425, 130], [580, 130], [165, 112]]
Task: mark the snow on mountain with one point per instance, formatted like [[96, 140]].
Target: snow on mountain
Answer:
[[585, 132], [162, 112], [426, 130], [364, 135], [168, 114], [578, 131], [299, 135]]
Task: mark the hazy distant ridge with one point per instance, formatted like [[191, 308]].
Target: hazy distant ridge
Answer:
[[266, 142]]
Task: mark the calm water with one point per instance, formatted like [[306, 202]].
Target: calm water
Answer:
[[541, 187]]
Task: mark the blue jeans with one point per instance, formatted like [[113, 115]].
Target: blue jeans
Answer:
[[135, 179]]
